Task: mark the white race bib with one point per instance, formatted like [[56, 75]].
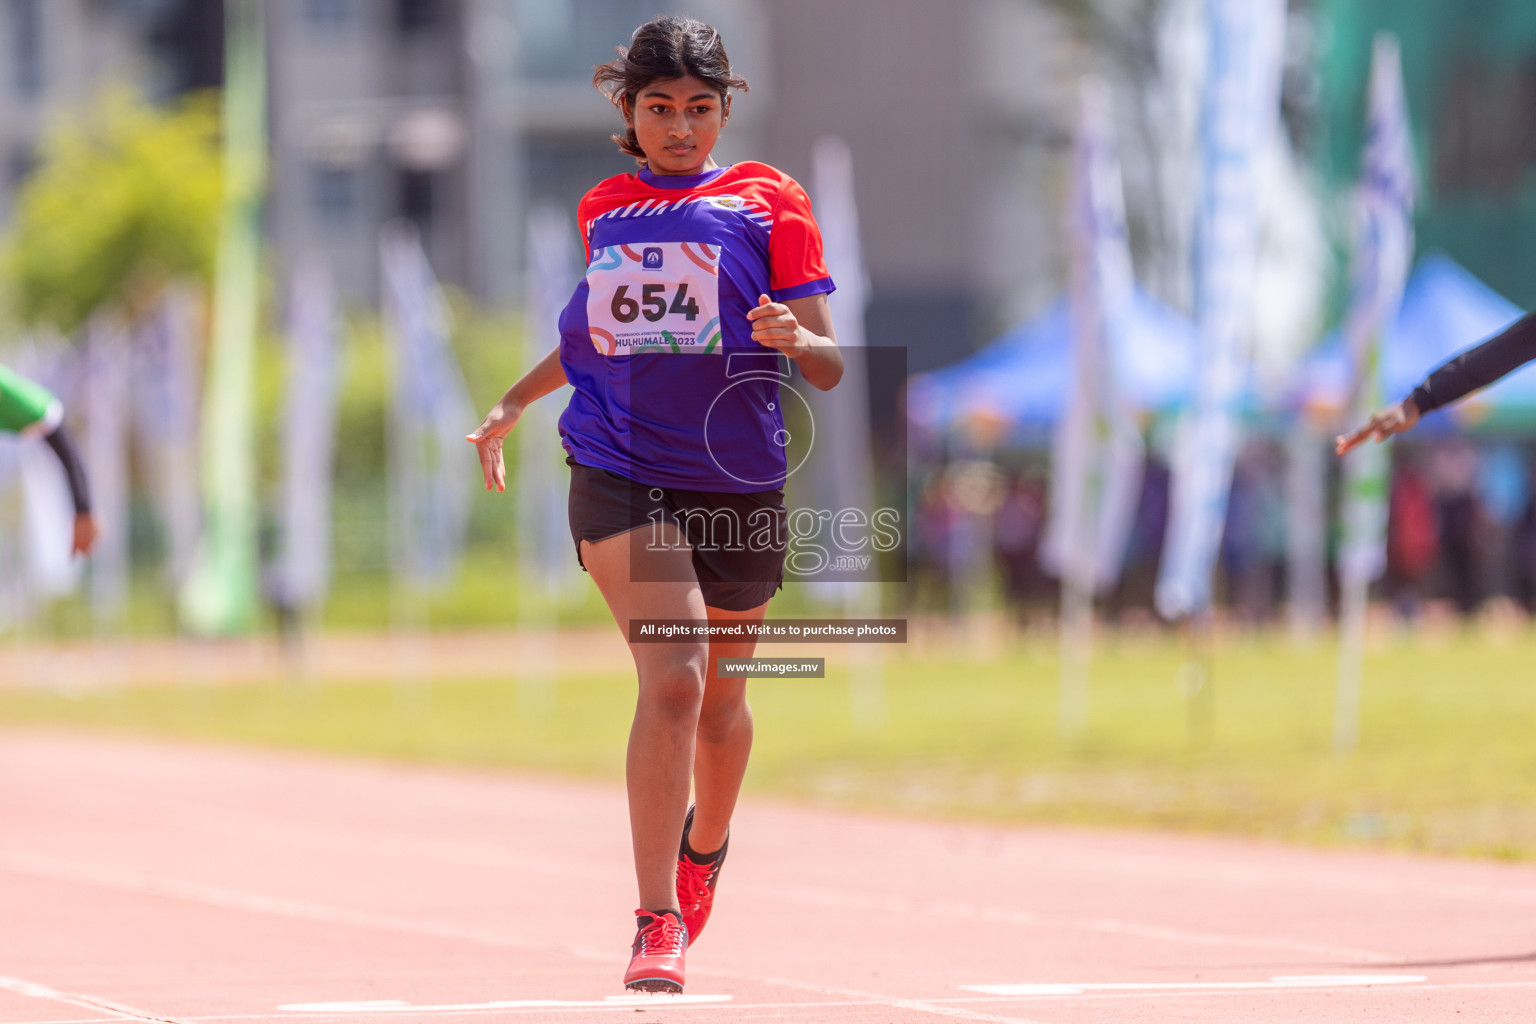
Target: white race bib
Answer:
[[654, 297]]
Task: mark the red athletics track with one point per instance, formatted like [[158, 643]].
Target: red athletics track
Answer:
[[143, 881]]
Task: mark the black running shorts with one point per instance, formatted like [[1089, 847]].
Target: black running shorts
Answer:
[[738, 541]]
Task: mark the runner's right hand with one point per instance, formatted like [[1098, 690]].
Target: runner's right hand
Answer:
[[1394, 419], [487, 438]]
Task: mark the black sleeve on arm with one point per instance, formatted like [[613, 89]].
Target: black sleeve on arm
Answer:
[[1478, 367], [64, 448]]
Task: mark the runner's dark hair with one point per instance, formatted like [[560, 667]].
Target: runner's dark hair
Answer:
[[664, 48]]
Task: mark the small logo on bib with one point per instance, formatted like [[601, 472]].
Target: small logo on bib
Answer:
[[650, 258]]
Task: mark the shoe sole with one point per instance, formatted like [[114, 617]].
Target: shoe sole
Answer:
[[654, 985]]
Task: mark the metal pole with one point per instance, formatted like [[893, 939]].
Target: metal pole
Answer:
[[1346, 714]]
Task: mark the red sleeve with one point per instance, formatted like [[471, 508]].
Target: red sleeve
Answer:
[[584, 225], [796, 265]]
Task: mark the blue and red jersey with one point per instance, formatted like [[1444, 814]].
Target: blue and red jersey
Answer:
[[670, 388]]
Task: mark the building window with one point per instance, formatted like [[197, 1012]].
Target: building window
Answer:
[[329, 15], [1485, 142], [26, 18], [335, 194], [417, 15], [417, 197]]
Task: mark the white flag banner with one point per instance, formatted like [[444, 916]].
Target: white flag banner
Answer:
[[309, 438], [1240, 113], [1098, 453], [167, 390], [844, 471], [107, 369], [431, 468], [1383, 254], [543, 535]]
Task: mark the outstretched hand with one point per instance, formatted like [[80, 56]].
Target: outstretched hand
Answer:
[[85, 534], [487, 439], [1394, 419]]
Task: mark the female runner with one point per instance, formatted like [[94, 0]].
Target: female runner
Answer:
[[1454, 379], [701, 279]]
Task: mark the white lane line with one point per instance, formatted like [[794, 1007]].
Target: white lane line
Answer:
[[1286, 981], [493, 856], [845, 900], [234, 899], [1335, 879], [260, 903], [860, 995], [732, 1006], [113, 1010], [402, 1006]]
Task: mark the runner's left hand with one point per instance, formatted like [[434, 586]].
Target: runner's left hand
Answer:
[[775, 327]]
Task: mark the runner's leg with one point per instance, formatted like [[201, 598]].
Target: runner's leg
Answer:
[[671, 676], [724, 738]]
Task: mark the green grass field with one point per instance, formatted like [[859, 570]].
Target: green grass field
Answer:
[[1447, 759]]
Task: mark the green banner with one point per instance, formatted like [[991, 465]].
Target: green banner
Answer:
[[219, 597]]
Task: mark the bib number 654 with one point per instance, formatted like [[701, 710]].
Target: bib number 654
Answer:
[[652, 303]]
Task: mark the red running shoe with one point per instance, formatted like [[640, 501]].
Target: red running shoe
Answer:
[[657, 964], [696, 883]]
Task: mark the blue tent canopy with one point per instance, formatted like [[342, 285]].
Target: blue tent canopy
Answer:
[[1445, 310], [1022, 379]]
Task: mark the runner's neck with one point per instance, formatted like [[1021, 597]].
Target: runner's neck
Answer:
[[655, 180]]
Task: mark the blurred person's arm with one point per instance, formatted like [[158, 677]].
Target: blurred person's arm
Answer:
[[85, 531], [547, 375], [31, 410], [1452, 380]]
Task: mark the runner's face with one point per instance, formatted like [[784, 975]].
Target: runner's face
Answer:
[[678, 121]]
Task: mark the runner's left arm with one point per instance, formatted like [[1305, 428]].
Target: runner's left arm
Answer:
[[801, 329]]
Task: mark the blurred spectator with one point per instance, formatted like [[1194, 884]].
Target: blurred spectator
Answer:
[[1253, 542], [1522, 553], [1413, 542], [1144, 547], [932, 532], [1453, 472], [1016, 540]]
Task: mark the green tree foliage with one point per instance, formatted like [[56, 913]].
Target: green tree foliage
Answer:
[[126, 197]]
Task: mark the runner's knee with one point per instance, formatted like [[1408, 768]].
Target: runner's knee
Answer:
[[672, 679], [722, 716]]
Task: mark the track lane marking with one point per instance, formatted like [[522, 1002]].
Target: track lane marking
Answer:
[[113, 1010], [260, 903], [1275, 984], [402, 1006], [495, 857]]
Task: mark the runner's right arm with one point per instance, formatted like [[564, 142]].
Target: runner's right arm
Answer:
[[547, 375], [85, 529], [1453, 380]]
